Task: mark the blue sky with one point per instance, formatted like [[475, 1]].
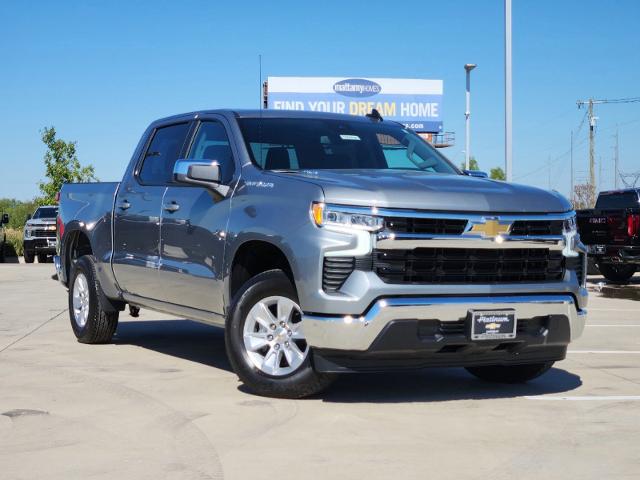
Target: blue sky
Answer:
[[101, 71]]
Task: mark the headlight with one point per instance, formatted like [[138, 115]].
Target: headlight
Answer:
[[329, 215], [27, 232], [570, 225]]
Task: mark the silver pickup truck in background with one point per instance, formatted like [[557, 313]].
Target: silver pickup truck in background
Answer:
[[324, 244]]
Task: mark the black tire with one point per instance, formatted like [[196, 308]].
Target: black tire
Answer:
[[2, 253], [617, 273], [510, 373], [302, 382], [42, 258], [100, 324], [29, 257], [592, 267]]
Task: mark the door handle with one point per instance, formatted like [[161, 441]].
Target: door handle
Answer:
[[124, 205], [171, 207]]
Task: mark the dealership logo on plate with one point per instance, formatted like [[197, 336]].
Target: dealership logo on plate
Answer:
[[356, 87]]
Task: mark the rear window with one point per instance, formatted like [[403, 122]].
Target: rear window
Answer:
[[611, 201]]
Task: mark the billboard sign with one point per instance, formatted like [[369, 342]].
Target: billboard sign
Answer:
[[417, 103]]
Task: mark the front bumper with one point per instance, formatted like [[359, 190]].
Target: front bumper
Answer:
[[40, 245], [554, 321], [616, 253]]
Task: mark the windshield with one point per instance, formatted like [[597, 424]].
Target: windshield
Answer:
[[313, 144], [46, 212], [611, 201]]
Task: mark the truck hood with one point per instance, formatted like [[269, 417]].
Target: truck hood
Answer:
[[428, 191]]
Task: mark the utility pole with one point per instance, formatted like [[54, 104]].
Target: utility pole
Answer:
[[508, 147], [616, 171], [571, 157], [592, 160], [600, 173], [467, 115]]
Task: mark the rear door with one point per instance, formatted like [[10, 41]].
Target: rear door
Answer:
[[137, 212], [194, 222]]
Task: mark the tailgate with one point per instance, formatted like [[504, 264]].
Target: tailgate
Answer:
[[603, 227]]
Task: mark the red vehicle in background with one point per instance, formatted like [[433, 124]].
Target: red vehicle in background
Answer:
[[611, 232]]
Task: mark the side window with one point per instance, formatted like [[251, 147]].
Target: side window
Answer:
[[163, 151], [212, 143]]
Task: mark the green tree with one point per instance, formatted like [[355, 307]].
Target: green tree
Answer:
[[17, 211], [62, 166], [473, 164], [497, 173]]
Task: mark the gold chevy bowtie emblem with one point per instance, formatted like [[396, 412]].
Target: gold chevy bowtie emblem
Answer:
[[491, 228], [492, 326]]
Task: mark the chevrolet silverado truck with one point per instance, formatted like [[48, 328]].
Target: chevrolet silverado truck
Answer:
[[611, 232], [40, 234], [323, 244]]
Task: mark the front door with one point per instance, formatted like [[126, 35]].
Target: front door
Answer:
[[194, 222], [137, 214]]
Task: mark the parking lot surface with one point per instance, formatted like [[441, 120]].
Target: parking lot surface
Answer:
[[161, 402]]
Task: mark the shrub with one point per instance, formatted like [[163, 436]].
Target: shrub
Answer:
[[14, 242]]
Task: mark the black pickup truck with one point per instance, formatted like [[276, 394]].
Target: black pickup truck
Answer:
[[611, 232]]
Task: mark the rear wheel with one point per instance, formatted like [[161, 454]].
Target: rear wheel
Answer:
[[617, 273], [265, 340], [91, 323], [510, 373], [29, 256]]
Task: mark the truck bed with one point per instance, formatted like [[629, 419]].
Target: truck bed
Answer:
[[90, 204]]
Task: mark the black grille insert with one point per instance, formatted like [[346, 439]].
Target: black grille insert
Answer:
[[433, 226], [468, 265], [531, 228], [41, 232], [335, 271]]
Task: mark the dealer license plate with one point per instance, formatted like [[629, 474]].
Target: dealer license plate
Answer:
[[597, 249], [493, 324]]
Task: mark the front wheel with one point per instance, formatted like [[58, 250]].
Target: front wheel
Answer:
[[510, 373], [265, 340], [617, 273], [29, 257], [42, 258], [91, 323]]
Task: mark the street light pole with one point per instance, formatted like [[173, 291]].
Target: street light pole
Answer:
[[467, 116], [508, 147]]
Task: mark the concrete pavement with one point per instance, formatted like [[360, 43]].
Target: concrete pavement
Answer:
[[161, 402]]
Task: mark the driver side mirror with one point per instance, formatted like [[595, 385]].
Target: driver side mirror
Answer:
[[197, 172], [5, 219], [29, 217]]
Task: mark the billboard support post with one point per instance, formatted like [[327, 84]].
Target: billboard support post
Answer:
[[508, 147], [467, 116]]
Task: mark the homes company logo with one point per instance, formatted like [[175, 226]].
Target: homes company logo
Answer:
[[356, 87]]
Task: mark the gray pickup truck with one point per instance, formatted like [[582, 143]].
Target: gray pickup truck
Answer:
[[39, 238], [324, 244]]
